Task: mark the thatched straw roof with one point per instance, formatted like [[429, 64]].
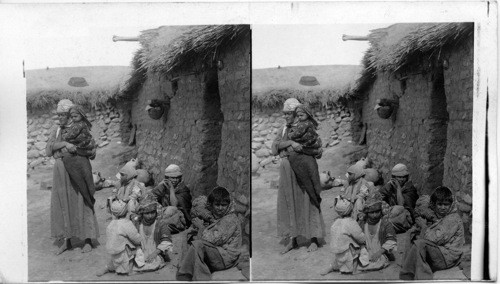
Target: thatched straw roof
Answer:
[[166, 49], [396, 47], [271, 86], [45, 87]]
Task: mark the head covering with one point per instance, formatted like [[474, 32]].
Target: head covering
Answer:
[[372, 204], [399, 170], [290, 104], [305, 109], [173, 171], [143, 176], [343, 206], [118, 208], [357, 170], [147, 204], [129, 171], [64, 105], [79, 109]]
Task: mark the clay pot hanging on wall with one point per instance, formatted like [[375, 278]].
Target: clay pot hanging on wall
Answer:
[[385, 108], [156, 108]]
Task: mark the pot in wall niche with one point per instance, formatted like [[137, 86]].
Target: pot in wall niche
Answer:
[[385, 112], [156, 108], [155, 112], [385, 107]]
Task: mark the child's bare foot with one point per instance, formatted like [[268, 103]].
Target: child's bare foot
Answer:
[[312, 247], [326, 270], [101, 272]]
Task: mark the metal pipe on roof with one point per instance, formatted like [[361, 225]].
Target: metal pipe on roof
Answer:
[[125, 38], [352, 37]]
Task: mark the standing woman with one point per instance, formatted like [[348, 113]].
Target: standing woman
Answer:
[[298, 213], [72, 201]]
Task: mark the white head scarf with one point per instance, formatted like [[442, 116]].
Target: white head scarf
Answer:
[[290, 104], [64, 105]]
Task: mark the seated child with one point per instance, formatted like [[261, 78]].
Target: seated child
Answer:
[[304, 132], [122, 240], [172, 216], [439, 245], [217, 246], [130, 190], [381, 242], [201, 211], [346, 240], [356, 190]]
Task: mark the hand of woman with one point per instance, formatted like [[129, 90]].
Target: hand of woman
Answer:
[[296, 146], [70, 147]]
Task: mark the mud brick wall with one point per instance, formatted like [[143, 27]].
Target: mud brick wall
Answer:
[[234, 88], [234, 83], [458, 81], [407, 137], [108, 122], [334, 126], [181, 134]]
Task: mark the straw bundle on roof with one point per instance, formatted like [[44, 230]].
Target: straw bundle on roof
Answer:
[[272, 86], [394, 48], [45, 87], [167, 48]]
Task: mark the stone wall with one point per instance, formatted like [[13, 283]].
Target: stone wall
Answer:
[[108, 122], [458, 82], [234, 88], [334, 125]]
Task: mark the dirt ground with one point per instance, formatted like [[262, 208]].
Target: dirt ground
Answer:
[[269, 264], [73, 265]]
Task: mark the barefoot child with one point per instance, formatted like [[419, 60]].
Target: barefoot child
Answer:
[[122, 240], [346, 240]]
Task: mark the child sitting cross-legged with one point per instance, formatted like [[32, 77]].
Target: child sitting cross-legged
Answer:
[[439, 245], [122, 240], [346, 240]]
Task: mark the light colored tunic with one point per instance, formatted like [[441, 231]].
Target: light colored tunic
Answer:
[[121, 238], [345, 242], [148, 246], [69, 216], [372, 246]]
